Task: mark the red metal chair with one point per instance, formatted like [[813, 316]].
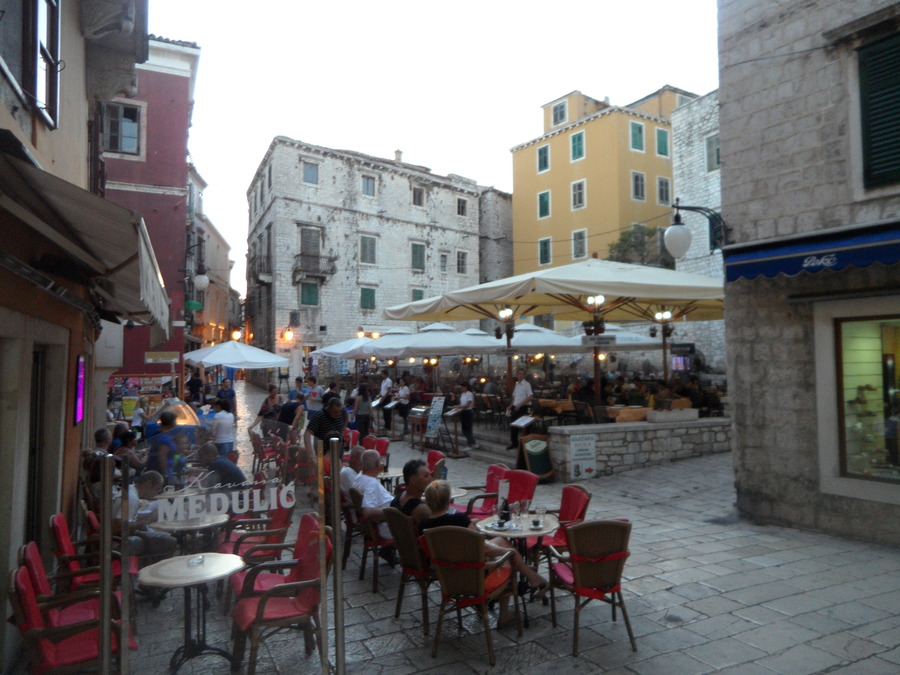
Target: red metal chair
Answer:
[[488, 498], [79, 573], [351, 437], [284, 605], [382, 445], [58, 610], [593, 569], [264, 452], [522, 485], [67, 647], [434, 456], [572, 510], [368, 442], [258, 533]]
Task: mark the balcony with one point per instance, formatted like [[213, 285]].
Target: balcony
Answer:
[[261, 269], [317, 266]]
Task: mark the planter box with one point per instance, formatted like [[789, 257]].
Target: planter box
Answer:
[[681, 415]]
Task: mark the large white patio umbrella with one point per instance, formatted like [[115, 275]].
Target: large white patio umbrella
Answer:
[[234, 354], [592, 289], [437, 339], [625, 340], [531, 339], [347, 349]]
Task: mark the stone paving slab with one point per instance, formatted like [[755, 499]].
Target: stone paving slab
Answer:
[[706, 592]]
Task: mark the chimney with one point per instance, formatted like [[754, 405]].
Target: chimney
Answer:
[[398, 155]]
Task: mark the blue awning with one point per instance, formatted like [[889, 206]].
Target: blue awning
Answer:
[[835, 249]]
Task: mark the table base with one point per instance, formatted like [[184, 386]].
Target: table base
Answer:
[[195, 645]]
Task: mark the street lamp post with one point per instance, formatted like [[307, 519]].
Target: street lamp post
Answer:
[[595, 302]]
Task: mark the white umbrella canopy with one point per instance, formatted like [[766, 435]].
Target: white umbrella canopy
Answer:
[[437, 339], [347, 349], [531, 339], [626, 340], [235, 355], [631, 292]]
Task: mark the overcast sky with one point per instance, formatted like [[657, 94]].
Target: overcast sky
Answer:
[[452, 85]]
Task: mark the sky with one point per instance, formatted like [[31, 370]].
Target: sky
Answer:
[[453, 85]]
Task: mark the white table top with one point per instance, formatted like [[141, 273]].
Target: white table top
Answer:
[[176, 572], [192, 525], [457, 493], [551, 525]]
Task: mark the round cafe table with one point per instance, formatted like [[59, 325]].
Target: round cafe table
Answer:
[[457, 493], [390, 479], [196, 526], [518, 537], [192, 572]]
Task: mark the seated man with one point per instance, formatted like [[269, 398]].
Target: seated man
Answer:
[[375, 497], [416, 477], [223, 473], [148, 544], [354, 466]]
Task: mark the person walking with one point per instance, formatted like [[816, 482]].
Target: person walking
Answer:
[[363, 410]]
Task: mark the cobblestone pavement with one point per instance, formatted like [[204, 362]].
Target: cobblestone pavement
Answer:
[[706, 592]]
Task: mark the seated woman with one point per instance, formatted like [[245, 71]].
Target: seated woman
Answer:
[[437, 496]]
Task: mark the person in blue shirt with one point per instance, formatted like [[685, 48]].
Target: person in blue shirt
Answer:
[[223, 472]]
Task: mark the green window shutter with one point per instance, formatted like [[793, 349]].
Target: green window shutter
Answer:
[[367, 298], [544, 251], [309, 294], [578, 145], [879, 94], [418, 256], [417, 294], [543, 204], [637, 136], [662, 142], [543, 158]]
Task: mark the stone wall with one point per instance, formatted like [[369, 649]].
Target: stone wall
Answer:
[[635, 445]]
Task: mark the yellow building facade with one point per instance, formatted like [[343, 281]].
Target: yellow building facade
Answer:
[[597, 170]]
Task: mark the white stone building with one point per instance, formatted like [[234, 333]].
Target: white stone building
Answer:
[[809, 113], [337, 236], [695, 164]]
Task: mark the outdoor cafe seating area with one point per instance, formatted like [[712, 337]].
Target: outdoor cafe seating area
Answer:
[[261, 570]]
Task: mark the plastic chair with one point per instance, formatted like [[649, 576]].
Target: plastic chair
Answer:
[[457, 555], [281, 607], [413, 561], [68, 647], [572, 510], [372, 539], [263, 575], [488, 498], [592, 569]]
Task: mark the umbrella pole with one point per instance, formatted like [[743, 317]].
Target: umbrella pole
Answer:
[[665, 356], [597, 392]]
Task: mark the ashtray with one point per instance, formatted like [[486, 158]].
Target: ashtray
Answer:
[[193, 561]]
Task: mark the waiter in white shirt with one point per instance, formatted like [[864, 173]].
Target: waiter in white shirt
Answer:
[[385, 394], [522, 395]]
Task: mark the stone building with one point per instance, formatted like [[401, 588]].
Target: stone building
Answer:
[[336, 236], [809, 112], [695, 169]]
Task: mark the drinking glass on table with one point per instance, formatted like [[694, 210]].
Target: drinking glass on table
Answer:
[[524, 509], [514, 510], [539, 513]]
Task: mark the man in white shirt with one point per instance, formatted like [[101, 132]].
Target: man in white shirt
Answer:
[[351, 471], [149, 544], [375, 497], [522, 395], [385, 394]]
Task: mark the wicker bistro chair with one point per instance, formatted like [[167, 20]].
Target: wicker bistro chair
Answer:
[[372, 539], [592, 570], [572, 510], [466, 579], [281, 606], [413, 561]]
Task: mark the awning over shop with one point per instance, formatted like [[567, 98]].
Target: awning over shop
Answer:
[[109, 243], [835, 249]]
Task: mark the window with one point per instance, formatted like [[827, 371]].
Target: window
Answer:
[[417, 294], [543, 158], [544, 321], [368, 186], [270, 178], [638, 186], [560, 113], [444, 260], [462, 260], [544, 204], [462, 207], [418, 196], [879, 97], [579, 244], [122, 128], [367, 250], [577, 144], [663, 189], [578, 197], [418, 256], [637, 136], [712, 152], [867, 383], [309, 294], [662, 142], [310, 173], [367, 298], [545, 254]]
